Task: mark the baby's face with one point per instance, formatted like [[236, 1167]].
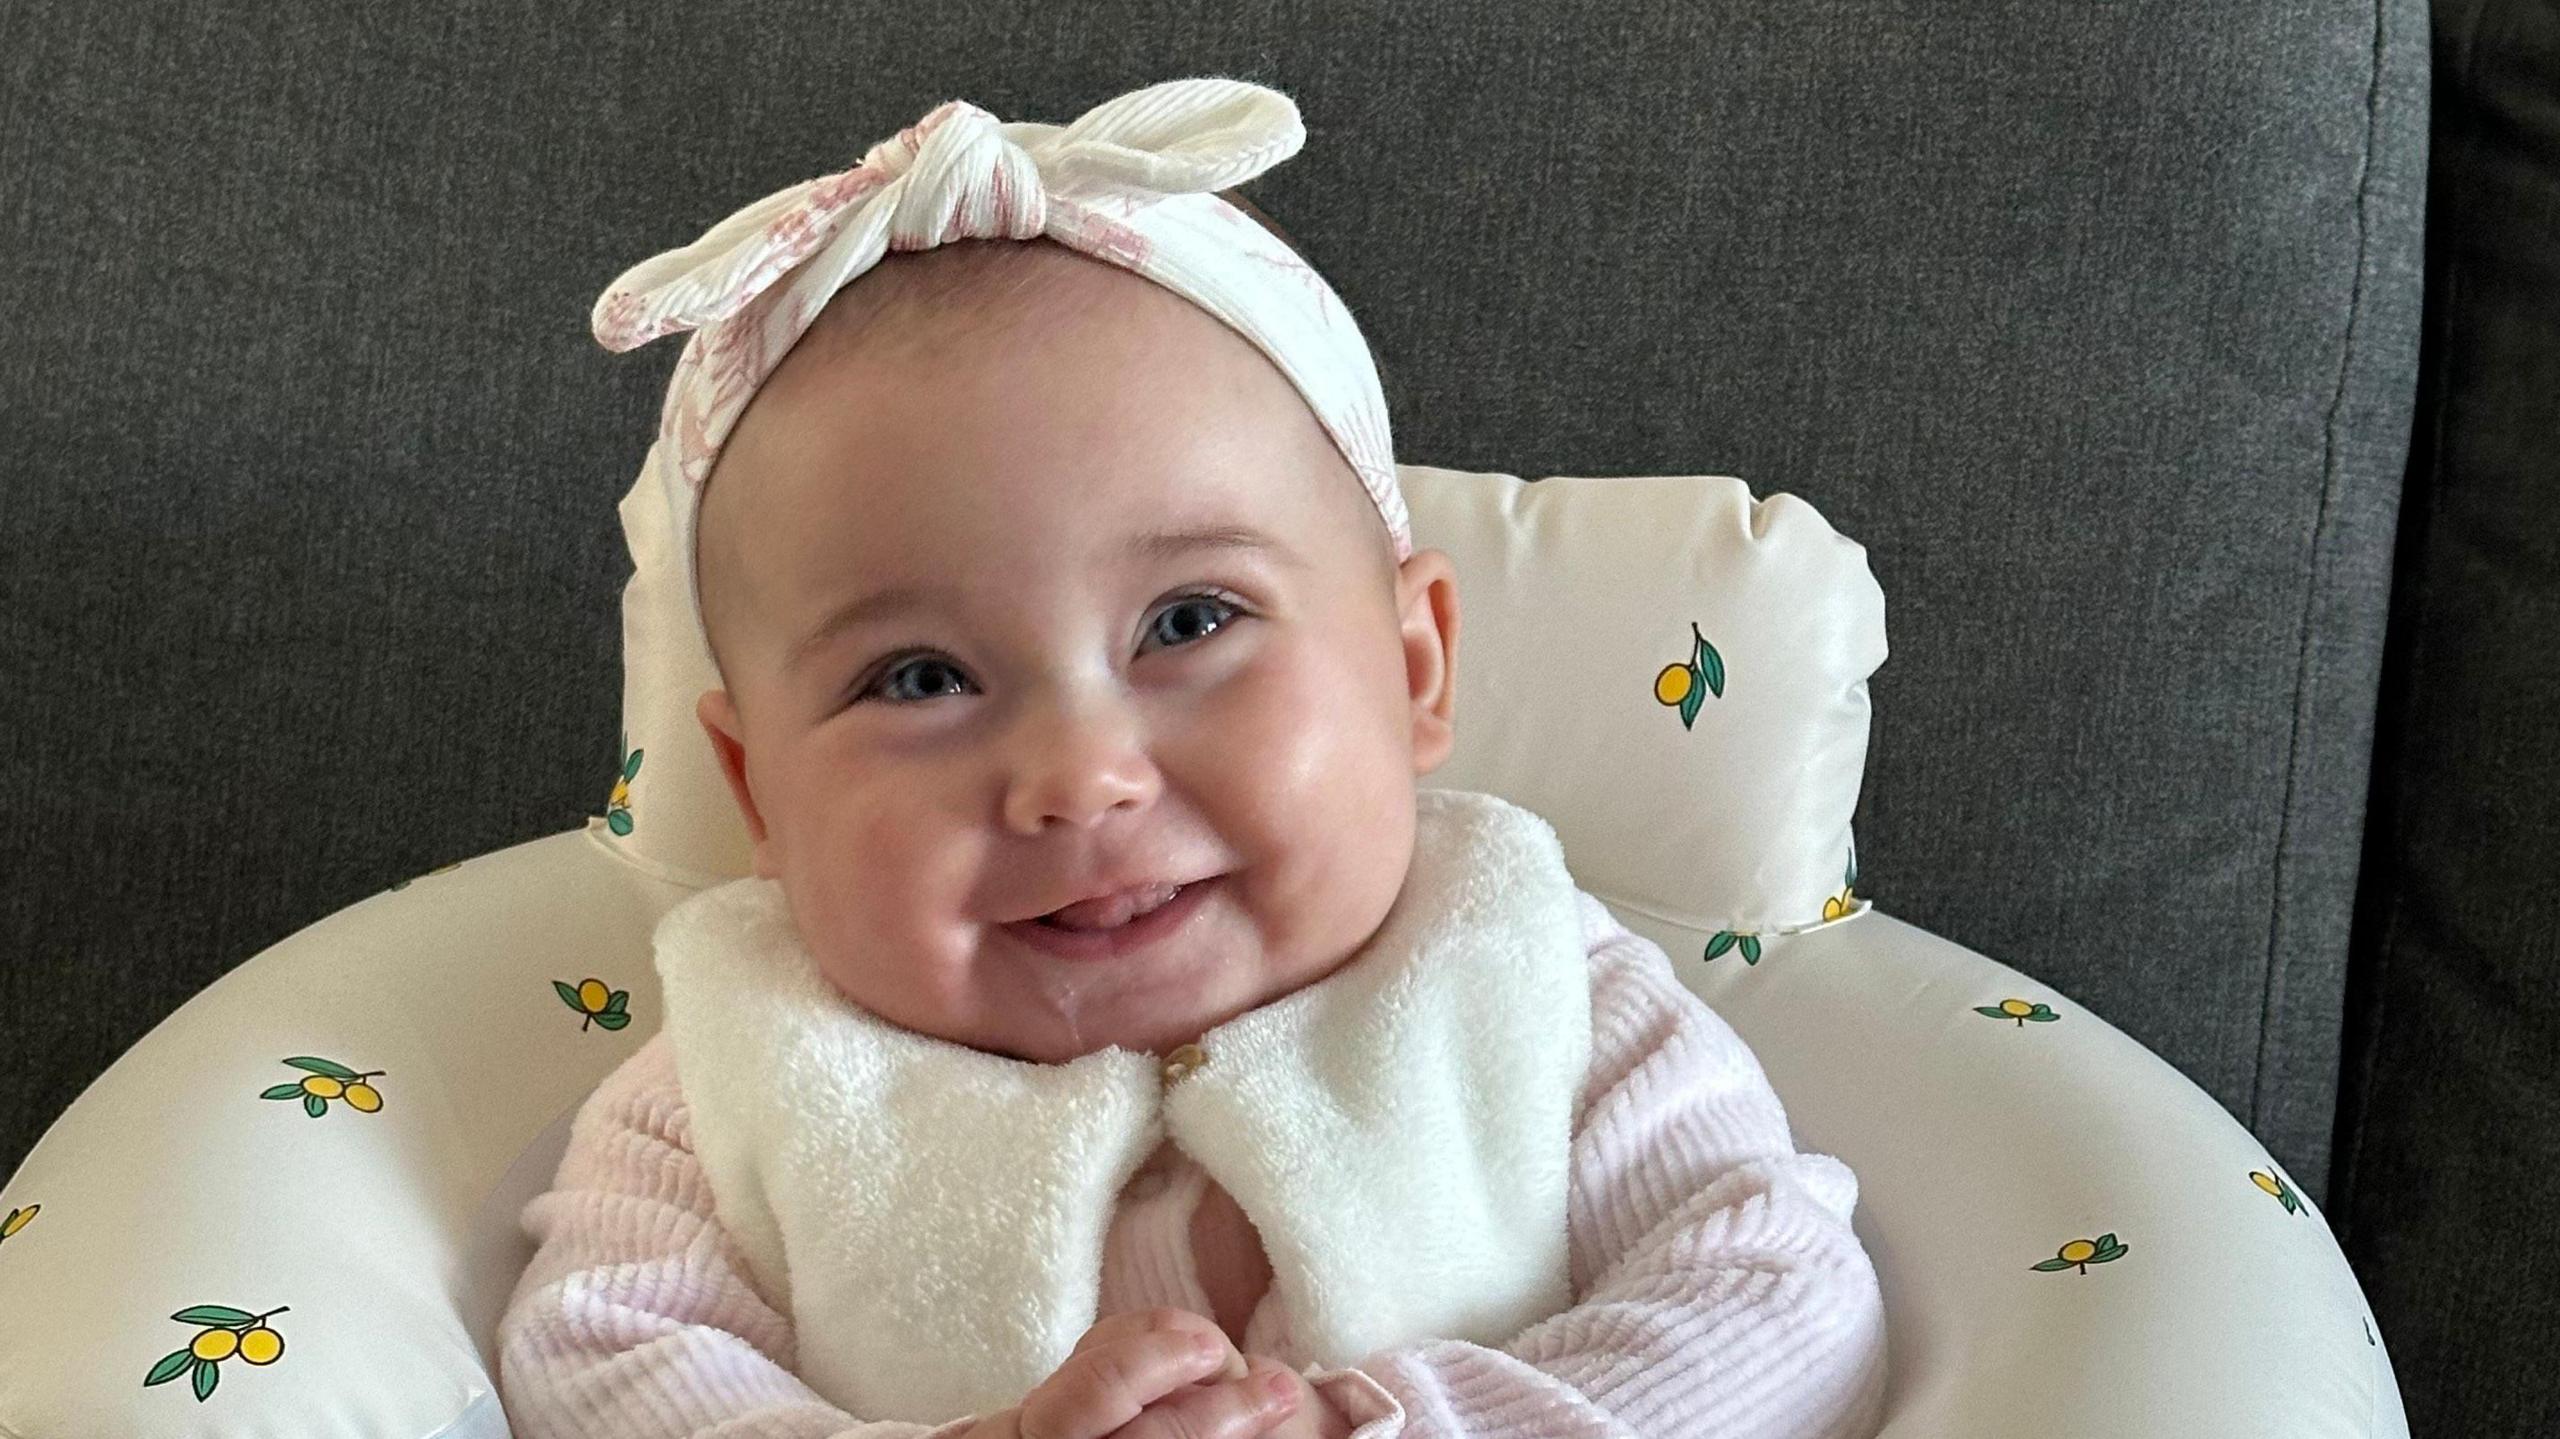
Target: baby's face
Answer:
[[1132, 618]]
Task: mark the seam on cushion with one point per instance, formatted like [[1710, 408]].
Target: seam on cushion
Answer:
[[597, 833], [2272, 984], [1696, 927]]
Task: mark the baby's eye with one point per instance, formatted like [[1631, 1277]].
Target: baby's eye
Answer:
[[886, 685], [1185, 631]]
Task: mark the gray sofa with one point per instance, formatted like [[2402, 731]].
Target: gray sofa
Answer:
[[2215, 700]]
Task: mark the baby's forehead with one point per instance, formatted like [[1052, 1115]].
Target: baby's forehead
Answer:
[[1150, 516], [994, 320]]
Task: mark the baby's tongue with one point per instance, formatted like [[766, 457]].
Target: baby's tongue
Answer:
[[1111, 910]]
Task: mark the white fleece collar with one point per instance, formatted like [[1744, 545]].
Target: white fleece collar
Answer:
[[932, 1216]]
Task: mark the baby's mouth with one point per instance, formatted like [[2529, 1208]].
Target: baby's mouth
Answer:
[[1113, 910]]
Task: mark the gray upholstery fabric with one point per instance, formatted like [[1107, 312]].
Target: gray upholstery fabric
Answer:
[[2094, 323], [2449, 1139]]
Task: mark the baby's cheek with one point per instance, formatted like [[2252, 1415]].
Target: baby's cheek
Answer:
[[1301, 733], [1316, 786]]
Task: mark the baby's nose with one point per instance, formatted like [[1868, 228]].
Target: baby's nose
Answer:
[[1073, 765]]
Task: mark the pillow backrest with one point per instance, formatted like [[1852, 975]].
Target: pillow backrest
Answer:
[[1672, 672]]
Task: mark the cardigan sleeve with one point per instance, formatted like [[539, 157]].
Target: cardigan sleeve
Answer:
[[635, 1318], [1719, 1292]]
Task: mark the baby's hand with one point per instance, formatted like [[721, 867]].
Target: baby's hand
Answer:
[[1156, 1374], [1313, 1418]]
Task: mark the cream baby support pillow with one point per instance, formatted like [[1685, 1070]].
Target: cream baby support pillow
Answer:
[[291, 1208]]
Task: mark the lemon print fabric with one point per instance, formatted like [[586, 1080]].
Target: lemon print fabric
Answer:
[[1686, 686], [2081, 1253], [328, 1080], [617, 805], [1838, 906], [230, 1335], [591, 998], [2279, 1190], [1726, 939], [1845, 903], [2019, 1010]]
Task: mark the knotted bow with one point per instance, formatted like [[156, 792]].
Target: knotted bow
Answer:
[[960, 173], [754, 282]]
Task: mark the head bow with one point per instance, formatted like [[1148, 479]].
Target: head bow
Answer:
[[960, 173], [1131, 181]]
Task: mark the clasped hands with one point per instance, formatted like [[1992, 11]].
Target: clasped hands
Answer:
[[1166, 1374]]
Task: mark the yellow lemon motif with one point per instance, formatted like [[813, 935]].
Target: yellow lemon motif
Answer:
[[1673, 684], [2020, 1007], [2078, 1251], [17, 1220], [215, 1345], [2276, 1188], [621, 794], [364, 1097], [321, 1086], [261, 1345], [600, 1003]]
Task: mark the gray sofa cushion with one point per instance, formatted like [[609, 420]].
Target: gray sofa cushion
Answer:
[[2092, 323], [2449, 1137]]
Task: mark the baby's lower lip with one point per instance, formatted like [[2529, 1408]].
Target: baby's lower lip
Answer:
[[1113, 943]]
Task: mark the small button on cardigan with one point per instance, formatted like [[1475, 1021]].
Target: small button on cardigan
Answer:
[[1719, 1291]]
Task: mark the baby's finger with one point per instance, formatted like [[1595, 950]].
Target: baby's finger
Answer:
[[1141, 1321], [1100, 1388], [1235, 1409], [1161, 1319]]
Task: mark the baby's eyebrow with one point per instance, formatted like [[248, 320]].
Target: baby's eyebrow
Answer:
[[896, 599], [1166, 544]]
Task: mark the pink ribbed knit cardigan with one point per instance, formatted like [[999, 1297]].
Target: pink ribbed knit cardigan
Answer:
[[1718, 1289]]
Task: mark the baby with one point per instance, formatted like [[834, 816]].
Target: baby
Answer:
[[1114, 1038]]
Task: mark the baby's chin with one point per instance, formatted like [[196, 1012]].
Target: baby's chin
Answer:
[[1073, 1011], [1040, 1002]]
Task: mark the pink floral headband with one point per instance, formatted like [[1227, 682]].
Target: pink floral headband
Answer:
[[1131, 181]]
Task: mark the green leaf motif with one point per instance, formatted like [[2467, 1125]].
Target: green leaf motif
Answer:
[[631, 767], [1751, 949], [613, 1019], [207, 1375], [568, 996], [618, 821], [1709, 663], [314, 1105], [615, 1004], [221, 1316], [1692, 702], [1722, 942], [170, 1367], [322, 1066], [280, 1091]]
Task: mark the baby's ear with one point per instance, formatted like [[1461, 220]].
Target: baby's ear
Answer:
[[720, 723], [1427, 612]]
